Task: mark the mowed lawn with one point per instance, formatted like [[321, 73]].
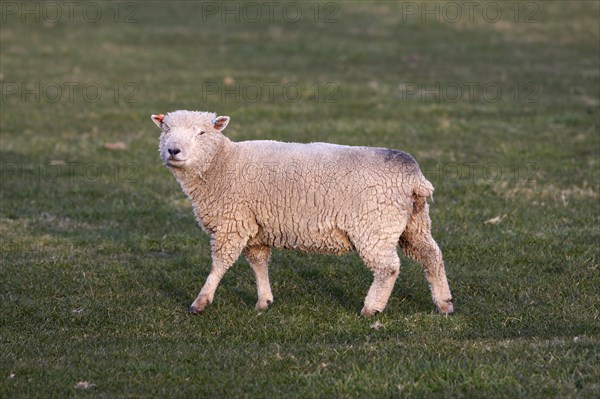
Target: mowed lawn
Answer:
[[101, 255]]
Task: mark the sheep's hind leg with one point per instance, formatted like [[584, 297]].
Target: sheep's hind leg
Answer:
[[258, 257], [385, 269], [417, 242], [224, 254]]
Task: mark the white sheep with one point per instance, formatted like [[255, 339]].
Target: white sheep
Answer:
[[253, 195]]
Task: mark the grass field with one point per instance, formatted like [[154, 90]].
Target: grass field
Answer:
[[101, 256]]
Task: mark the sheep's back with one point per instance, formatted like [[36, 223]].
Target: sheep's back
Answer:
[[320, 197]]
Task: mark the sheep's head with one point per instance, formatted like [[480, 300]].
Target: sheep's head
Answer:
[[189, 139]]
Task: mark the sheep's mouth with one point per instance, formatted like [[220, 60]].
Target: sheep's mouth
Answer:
[[176, 163]]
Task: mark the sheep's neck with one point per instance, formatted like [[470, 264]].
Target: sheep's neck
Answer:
[[199, 184]]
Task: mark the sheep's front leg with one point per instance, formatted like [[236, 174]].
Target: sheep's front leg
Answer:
[[385, 271], [224, 254], [258, 257]]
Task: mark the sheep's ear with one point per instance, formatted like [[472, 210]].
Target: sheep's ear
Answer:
[[158, 119], [220, 122]]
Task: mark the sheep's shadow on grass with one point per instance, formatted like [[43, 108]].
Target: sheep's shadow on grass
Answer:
[[175, 292], [345, 280], [183, 293], [329, 280], [171, 284], [246, 295], [298, 276]]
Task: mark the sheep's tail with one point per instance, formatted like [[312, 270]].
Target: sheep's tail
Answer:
[[422, 187]]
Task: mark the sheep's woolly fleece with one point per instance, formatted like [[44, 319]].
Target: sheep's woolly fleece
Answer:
[[253, 195]]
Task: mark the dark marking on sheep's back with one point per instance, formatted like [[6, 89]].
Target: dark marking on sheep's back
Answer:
[[401, 163], [404, 162], [396, 156]]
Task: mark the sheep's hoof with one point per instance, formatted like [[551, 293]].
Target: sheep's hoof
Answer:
[[263, 304], [194, 310], [366, 312], [446, 307]]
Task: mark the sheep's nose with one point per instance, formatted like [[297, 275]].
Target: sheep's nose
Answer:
[[174, 151]]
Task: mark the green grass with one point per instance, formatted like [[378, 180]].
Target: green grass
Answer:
[[100, 254]]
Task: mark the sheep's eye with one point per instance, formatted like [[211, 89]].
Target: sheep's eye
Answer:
[[202, 132]]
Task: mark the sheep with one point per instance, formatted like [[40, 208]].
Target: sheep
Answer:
[[251, 196]]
